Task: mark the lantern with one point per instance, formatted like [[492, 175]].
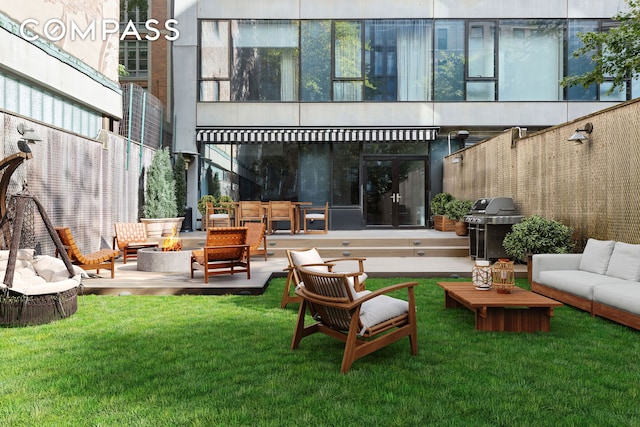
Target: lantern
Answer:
[[503, 276], [481, 275]]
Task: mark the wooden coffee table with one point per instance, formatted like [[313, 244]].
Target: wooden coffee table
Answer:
[[518, 311]]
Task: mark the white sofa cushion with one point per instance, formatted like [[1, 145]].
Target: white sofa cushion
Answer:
[[625, 262], [596, 256], [625, 296], [576, 282]]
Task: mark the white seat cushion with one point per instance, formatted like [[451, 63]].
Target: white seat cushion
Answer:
[[218, 216], [379, 309], [315, 216]]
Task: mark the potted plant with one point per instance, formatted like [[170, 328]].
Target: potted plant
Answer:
[[456, 210], [537, 235], [160, 208], [438, 203]]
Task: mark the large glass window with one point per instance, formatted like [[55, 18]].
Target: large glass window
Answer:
[[265, 61], [481, 71], [134, 57], [582, 64], [397, 60], [346, 175], [531, 60], [270, 171], [315, 57], [449, 60], [388, 60], [214, 61], [348, 76]]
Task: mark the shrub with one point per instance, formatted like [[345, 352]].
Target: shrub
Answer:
[[202, 203], [160, 194], [438, 203], [456, 209], [537, 235]]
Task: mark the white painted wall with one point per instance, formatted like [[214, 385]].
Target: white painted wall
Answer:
[[28, 61]]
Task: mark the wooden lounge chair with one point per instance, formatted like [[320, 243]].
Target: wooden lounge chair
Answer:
[[299, 257], [256, 238], [226, 252], [102, 259], [365, 321], [130, 237]]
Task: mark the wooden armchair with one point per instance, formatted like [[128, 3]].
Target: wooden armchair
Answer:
[[280, 211], [102, 259], [226, 252], [365, 321], [353, 265], [250, 211], [217, 216], [311, 214], [130, 237]]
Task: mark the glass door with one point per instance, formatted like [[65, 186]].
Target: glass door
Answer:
[[395, 191]]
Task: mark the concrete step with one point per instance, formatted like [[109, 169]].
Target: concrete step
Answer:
[[371, 245]]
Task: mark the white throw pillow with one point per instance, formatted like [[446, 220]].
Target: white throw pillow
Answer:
[[625, 262], [310, 256], [596, 256]]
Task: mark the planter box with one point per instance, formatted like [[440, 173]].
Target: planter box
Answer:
[[442, 223]]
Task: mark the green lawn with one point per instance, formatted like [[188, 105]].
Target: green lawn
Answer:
[[209, 361]]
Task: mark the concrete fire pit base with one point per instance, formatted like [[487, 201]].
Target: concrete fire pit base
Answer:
[[151, 259]]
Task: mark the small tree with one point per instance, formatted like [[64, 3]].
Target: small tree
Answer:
[[615, 53], [181, 181], [160, 194], [215, 188]]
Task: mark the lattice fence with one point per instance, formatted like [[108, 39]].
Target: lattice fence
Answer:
[[592, 187]]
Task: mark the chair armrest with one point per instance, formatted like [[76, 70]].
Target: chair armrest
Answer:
[[358, 259], [386, 290]]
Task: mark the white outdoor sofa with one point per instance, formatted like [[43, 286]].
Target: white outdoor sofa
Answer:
[[604, 280]]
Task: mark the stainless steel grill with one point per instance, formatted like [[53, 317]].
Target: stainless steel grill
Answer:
[[490, 219]]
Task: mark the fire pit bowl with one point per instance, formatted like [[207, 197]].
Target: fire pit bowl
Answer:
[[157, 260]]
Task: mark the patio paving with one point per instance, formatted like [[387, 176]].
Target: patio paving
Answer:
[[128, 280]]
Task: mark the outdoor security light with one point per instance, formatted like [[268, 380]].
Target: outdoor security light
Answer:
[[578, 136], [460, 134], [28, 134]]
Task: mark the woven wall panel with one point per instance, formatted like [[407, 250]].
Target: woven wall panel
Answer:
[[82, 183], [591, 187]]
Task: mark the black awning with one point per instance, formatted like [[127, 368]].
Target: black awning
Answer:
[[314, 135]]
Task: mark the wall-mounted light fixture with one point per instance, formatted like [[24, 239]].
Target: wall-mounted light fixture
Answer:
[[460, 134], [28, 134], [457, 159], [579, 137]]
